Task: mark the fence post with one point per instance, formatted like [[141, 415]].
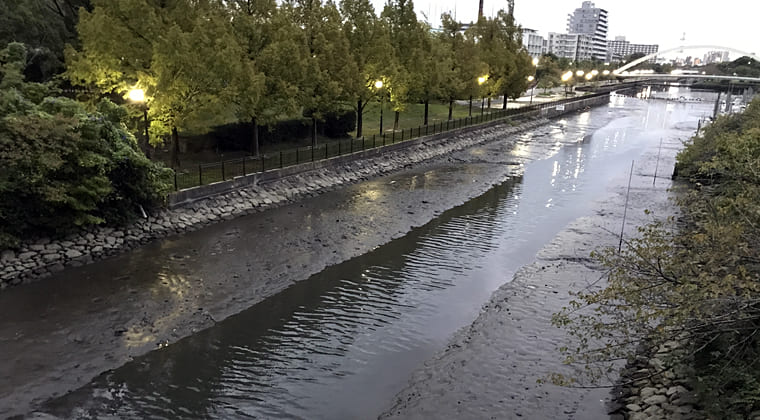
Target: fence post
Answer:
[[175, 181], [325, 150], [352, 145], [244, 166], [312, 153], [296, 156], [262, 164], [339, 142], [223, 177], [200, 174], [281, 158]]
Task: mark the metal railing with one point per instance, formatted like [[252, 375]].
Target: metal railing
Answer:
[[207, 173]]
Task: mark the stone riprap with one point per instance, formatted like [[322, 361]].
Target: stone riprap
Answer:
[[41, 258], [652, 389]]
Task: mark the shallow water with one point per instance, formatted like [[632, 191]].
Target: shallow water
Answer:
[[342, 343]]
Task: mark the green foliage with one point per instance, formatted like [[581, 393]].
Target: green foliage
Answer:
[[699, 280], [65, 167]]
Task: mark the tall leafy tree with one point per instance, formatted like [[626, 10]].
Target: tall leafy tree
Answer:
[[45, 27], [176, 50], [500, 47], [460, 79], [328, 63], [269, 71], [370, 47], [407, 41]]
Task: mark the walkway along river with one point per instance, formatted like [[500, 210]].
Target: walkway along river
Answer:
[[343, 342]]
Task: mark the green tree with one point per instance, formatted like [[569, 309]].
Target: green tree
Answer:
[[460, 79], [328, 62], [45, 27], [266, 80], [370, 47], [176, 51], [407, 40]]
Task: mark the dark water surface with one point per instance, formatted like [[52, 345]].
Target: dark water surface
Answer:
[[342, 343]]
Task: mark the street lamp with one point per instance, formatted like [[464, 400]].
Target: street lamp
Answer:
[[138, 96], [565, 79], [580, 73], [481, 80], [535, 62], [531, 79], [379, 85], [606, 73]]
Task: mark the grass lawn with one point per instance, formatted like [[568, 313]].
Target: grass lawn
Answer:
[[413, 116]]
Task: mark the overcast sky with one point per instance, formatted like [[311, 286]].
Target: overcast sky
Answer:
[[730, 23]]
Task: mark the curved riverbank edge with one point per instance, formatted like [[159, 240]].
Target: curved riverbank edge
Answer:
[[41, 258], [498, 367]]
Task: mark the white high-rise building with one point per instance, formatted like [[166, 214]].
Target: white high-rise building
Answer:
[[620, 49], [577, 47], [592, 21], [533, 42]]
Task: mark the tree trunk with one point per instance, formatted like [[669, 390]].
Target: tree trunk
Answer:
[[395, 122], [313, 132], [504, 104], [255, 125], [359, 125], [451, 109], [427, 107], [175, 148], [489, 104], [470, 105]]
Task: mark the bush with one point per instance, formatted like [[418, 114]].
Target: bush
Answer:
[[65, 168], [338, 125]]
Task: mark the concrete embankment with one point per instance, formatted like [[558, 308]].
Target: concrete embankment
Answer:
[[210, 204]]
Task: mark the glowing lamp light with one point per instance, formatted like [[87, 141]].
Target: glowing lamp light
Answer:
[[482, 79], [531, 78], [594, 72], [589, 76], [379, 84], [535, 62], [580, 73], [567, 76], [136, 95], [606, 72]]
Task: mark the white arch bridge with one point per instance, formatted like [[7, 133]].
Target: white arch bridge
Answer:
[[634, 63]]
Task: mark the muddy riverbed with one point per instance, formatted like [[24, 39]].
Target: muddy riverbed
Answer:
[[343, 341]]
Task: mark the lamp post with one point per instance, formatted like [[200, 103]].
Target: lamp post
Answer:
[[531, 79], [565, 79], [378, 86], [138, 96], [481, 80]]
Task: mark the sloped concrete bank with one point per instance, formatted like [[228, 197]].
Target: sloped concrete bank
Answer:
[[225, 201]]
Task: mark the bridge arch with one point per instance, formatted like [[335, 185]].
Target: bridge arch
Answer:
[[684, 47]]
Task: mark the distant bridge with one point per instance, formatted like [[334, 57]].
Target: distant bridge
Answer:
[[662, 76], [634, 63]]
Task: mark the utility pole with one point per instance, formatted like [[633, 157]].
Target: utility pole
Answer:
[[480, 10]]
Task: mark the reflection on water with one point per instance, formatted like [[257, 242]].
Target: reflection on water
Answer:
[[342, 343]]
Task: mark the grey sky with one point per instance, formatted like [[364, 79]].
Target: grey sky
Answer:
[[730, 23]]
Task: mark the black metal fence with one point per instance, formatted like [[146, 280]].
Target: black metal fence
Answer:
[[208, 173]]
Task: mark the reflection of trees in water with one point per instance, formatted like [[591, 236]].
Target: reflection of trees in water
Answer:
[[248, 355]]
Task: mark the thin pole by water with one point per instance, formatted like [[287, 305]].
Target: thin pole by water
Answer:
[[625, 209], [657, 165]]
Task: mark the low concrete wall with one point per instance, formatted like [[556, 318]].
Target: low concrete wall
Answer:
[[191, 195]]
